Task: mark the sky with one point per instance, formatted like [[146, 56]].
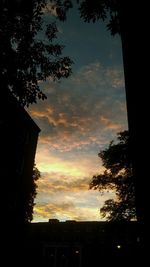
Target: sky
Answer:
[[80, 117]]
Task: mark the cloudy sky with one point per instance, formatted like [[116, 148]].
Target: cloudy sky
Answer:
[[80, 117]]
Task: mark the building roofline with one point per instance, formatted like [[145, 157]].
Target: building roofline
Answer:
[[13, 100]]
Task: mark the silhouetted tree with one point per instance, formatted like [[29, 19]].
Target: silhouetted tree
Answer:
[[118, 176], [90, 11], [30, 194], [27, 191], [25, 58]]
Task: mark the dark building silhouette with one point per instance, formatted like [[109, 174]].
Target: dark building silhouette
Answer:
[[83, 244], [18, 141]]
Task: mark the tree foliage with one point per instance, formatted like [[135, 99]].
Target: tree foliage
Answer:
[[105, 10], [117, 176], [25, 58], [92, 11], [31, 194]]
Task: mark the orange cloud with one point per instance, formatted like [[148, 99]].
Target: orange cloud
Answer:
[[69, 164], [65, 211], [49, 113], [80, 117], [42, 113], [74, 206], [64, 142], [57, 165], [109, 124], [56, 182], [116, 77]]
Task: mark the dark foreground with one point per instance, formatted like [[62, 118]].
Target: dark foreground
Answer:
[[74, 244]]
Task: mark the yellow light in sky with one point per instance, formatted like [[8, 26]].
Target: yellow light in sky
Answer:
[[60, 167], [75, 167]]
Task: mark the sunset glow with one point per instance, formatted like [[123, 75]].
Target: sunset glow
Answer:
[[81, 115]]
